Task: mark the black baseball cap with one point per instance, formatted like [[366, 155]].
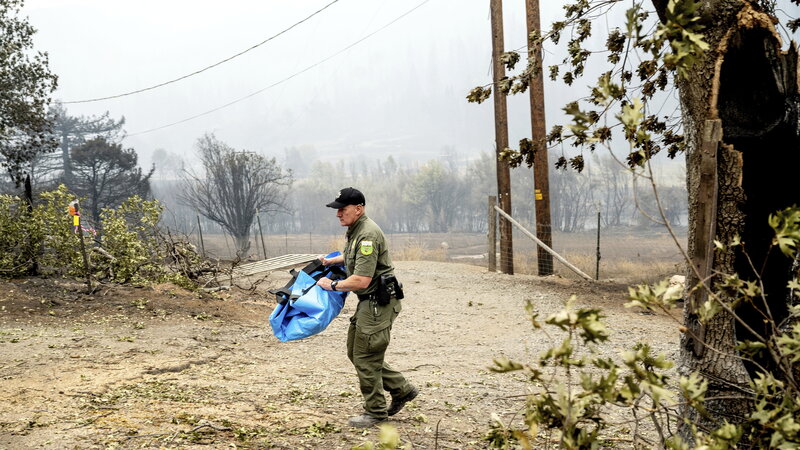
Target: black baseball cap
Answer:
[[348, 196]]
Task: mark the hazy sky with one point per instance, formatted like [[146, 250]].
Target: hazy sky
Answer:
[[401, 90]]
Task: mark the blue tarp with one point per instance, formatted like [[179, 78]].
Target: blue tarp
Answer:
[[310, 308]]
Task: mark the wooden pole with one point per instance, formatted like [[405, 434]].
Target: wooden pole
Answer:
[[597, 266], [86, 266], [492, 234], [202, 244], [541, 181], [261, 233], [501, 138]]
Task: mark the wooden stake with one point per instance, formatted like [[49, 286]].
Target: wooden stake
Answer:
[[261, 233], [491, 220], [597, 266], [86, 266], [202, 244]]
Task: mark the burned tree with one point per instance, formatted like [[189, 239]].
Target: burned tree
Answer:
[[738, 126], [233, 187], [740, 117]]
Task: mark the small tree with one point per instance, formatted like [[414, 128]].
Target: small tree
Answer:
[[234, 187], [107, 175]]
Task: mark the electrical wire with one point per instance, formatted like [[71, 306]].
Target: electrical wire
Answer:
[[285, 79], [288, 128], [205, 68]]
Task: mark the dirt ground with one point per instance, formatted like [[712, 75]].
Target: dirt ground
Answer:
[[162, 367]]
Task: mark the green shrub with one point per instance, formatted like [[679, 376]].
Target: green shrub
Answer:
[[130, 237], [574, 388], [15, 237], [59, 244], [127, 247]]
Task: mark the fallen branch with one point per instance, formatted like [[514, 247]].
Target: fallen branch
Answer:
[[180, 367], [91, 421], [216, 428]]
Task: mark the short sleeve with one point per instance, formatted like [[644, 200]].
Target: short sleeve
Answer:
[[366, 255]]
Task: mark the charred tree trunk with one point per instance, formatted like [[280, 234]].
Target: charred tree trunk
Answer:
[[242, 245], [33, 269], [747, 83]]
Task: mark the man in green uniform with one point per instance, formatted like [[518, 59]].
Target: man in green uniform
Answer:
[[366, 256]]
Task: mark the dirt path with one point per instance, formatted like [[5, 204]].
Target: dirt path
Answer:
[[161, 367]]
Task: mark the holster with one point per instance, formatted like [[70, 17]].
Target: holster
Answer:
[[389, 288]]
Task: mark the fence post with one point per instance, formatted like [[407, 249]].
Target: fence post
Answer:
[[86, 265], [597, 268], [202, 244], [261, 233], [492, 234]]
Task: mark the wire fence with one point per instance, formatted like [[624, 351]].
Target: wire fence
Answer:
[[629, 254]]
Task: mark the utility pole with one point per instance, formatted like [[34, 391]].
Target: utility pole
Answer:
[[541, 180], [501, 138]]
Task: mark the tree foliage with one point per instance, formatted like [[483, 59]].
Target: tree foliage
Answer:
[[439, 193], [640, 64], [25, 87], [106, 175]]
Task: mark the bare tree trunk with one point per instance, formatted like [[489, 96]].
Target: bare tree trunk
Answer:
[[750, 85], [242, 245]]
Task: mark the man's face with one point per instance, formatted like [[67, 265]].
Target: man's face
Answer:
[[348, 215]]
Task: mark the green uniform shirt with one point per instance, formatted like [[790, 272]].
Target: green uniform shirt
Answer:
[[366, 253]]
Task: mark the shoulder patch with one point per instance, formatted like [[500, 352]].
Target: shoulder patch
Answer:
[[366, 248]]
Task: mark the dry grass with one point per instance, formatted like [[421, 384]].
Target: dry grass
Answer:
[[627, 256], [619, 268], [416, 251]]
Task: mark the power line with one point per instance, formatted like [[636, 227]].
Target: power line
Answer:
[[285, 79], [205, 68]]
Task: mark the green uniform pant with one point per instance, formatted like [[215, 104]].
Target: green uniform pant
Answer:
[[367, 339]]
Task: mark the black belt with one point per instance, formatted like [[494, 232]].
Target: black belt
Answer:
[[372, 296]]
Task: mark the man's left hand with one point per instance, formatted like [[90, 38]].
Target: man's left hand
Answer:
[[325, 283]]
